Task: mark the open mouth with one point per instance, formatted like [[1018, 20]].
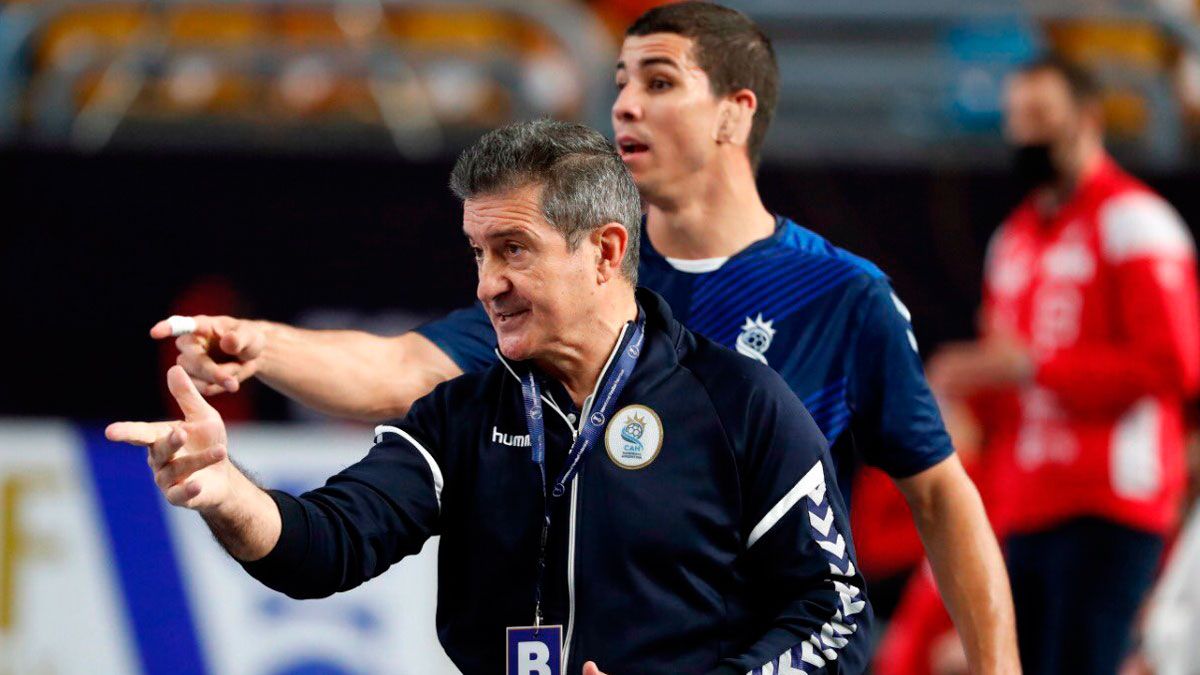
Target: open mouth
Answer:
[[631, 148]]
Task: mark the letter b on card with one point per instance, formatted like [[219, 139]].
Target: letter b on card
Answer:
[[535, 651]]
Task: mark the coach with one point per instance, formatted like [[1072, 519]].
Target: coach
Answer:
[[667, 502]]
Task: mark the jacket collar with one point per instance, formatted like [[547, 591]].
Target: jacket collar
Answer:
[[658, 319]]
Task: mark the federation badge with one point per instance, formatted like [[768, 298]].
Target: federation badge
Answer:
[[756, 338], [634, 437]]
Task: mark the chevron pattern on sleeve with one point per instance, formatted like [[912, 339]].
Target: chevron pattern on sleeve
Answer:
[[812, 655]]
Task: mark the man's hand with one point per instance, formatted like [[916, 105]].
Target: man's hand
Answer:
[[590, 668], [963, 368], [238, 343], [189, 458]]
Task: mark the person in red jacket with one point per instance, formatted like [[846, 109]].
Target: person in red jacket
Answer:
[[1090, 346]]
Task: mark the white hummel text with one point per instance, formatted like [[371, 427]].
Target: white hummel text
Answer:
[[511, 440]]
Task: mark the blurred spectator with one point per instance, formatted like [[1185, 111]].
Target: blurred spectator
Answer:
[[1090, 344]]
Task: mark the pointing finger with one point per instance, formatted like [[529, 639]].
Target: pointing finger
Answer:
[[175, 326], [137, 433]]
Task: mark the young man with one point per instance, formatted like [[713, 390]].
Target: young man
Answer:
[[679, 512], [1090, 346], [697, 88]]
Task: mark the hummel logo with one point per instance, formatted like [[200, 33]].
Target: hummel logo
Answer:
[[511, 440]]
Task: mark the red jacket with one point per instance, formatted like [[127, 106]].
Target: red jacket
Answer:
[[1104, 295]]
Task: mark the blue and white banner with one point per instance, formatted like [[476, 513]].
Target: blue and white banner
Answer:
[[98, 574]]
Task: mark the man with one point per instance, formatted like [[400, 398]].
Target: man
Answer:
[[1089, 348], [697, 88], [687, 522]]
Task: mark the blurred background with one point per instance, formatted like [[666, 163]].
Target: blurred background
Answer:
[[288, 159]]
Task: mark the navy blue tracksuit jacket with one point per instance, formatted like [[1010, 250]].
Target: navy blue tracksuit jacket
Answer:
[[703, 534]]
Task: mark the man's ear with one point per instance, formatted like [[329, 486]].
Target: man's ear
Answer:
[[735, 117], [612, 242]]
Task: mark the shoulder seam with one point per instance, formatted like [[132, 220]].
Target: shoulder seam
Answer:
[[861, 264]]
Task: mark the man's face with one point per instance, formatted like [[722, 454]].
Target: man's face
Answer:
[[665, 115], [1039, 109], [534, 289]]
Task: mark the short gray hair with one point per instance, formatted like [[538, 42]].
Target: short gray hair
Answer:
[[584, 182]]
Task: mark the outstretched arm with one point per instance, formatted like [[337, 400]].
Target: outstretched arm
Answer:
[[342, 373], [331, 539], [191, 466]]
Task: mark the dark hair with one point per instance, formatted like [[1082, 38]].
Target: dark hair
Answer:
[[1083, 87], [584, 182], [732, 51]]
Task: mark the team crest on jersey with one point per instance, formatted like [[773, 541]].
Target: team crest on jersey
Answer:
[[634, 437], [756, 338]]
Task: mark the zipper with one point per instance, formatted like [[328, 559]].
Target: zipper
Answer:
[[566, 659], [575, 430], [584, 412], [566, 655]]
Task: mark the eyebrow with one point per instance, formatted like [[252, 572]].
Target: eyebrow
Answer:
[[652, 61], [501, 234], [506, 232]]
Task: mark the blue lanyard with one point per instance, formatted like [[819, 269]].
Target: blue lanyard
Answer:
[[611, 385]]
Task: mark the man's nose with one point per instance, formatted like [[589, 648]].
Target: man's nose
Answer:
[[627, 107], [493, 281]]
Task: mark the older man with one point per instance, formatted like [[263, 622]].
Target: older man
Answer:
[[668, 501]]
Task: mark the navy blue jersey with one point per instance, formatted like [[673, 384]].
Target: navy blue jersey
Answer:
[[826, 320]]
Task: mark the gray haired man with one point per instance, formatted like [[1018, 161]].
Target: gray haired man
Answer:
[[674, 509]]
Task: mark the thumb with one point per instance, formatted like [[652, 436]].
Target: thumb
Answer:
[[190, 401], [243, 341], [590, 668]]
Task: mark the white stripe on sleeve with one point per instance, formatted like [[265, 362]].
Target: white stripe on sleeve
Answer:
[[826, 644], [809, 482], [433, 467]]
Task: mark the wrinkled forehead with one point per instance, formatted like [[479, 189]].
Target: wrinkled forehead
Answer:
[[667, 49], [519, 208]]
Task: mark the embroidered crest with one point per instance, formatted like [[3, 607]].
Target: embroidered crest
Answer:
[[756, 338]]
